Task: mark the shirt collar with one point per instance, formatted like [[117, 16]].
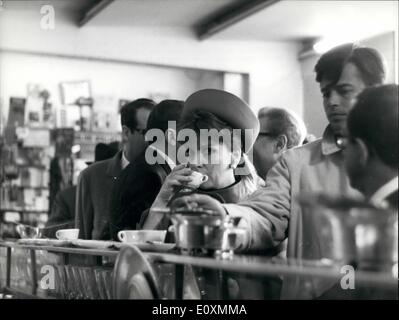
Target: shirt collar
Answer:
[[124, 161], [378, 198], [167, 159], [328, 145]]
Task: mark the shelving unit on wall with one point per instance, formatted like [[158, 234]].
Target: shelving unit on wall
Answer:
[[27, 183], [24, 179], [44, 145]]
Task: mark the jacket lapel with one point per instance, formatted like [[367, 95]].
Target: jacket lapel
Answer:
[[114, 165]]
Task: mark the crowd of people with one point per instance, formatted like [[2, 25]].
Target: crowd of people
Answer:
[[264, 167]]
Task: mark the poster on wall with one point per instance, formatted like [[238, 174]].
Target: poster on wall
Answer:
[[16, 113], [34, 104], [69, 117], [74, 90], [39, 109], [105, 113]]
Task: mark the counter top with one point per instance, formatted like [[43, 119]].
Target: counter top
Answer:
[[245, 264]]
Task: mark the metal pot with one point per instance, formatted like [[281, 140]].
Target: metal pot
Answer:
[[355, 232], [202, 229]]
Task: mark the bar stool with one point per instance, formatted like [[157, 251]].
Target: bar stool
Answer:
[[134, 278]]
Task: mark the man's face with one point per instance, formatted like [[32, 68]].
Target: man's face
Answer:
[[353, 166], [135, 143], [264, 151], [339, 98]]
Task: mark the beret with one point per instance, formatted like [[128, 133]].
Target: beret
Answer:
[[229, 108]]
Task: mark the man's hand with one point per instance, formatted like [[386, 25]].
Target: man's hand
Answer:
[[199, 201]]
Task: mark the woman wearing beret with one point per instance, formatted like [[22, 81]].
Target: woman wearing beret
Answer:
[[230, 175]]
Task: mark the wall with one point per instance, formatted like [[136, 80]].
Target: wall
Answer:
[[313, 108], [275, 75], [108, 80]]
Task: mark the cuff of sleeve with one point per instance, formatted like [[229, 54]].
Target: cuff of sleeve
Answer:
[[235, 212]]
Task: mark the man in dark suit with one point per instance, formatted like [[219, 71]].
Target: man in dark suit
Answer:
[[63, 210], [95, 183], [139, 183], [371, 154]]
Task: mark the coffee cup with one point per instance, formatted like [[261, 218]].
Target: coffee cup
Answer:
[[197, 178], [67, 234], [141, 236]]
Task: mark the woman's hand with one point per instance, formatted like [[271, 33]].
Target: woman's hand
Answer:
[[179, 177]]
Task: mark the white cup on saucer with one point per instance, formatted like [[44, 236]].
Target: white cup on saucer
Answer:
[[141, 236], [67, 234]]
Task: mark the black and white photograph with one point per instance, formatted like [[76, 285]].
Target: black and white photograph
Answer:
[[205, 156]]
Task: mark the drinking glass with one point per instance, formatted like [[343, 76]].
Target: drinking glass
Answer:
[[62, 281], [73, 291], [80, 288], [99, 283], [89, 282], [107, 281]]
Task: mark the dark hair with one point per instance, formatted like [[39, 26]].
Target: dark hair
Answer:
[[105, 151], [166, 110], [129, 111], [200, 119], [374, 119], [368, 60], [283, 122]]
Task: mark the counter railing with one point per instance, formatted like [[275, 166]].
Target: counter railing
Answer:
[[75, 266]]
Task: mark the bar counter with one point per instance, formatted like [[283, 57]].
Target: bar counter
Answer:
[[21, 266]]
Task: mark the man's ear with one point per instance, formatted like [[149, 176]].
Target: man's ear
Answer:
[[362, 152], [170, 136], [280, 144]]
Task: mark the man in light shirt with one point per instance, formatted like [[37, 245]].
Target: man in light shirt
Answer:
[[371, 154], [95, 183]]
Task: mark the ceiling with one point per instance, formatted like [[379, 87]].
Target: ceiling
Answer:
[[168, 13], [284, 20], [298, 20]]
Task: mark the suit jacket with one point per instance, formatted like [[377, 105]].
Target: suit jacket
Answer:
[[63, 212], [134, 192], [93, 198]]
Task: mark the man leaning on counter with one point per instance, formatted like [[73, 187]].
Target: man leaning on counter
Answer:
[[272, 213]]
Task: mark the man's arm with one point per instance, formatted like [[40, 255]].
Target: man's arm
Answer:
[[266, 212], [84, 208]]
